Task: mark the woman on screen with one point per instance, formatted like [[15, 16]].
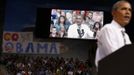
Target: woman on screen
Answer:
[[96, 28], [61, 26]]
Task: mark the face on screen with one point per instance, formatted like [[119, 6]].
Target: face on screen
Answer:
[[79, 19], [62, 19]]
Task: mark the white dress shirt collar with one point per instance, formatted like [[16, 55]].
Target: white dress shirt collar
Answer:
[[117, 25]]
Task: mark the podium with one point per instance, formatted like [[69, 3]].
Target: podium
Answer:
[[120, 62]]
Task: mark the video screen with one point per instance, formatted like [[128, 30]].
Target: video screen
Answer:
[[76, 24]]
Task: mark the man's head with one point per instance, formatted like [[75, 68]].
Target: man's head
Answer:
[[79, 19], [90, 15], [122, 12], [54, 31]]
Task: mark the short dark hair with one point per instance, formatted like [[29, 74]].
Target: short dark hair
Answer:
[[100, 25], [116, 5], [64, 19]]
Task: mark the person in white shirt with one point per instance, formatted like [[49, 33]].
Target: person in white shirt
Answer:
[[110, 38], [79, 30]]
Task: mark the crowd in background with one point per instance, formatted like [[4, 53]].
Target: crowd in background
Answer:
[[62, 19], [40, 65]]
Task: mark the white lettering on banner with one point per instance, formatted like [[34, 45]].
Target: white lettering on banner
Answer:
[[32, 47]]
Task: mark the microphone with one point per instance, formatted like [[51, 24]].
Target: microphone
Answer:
[[80, 32]]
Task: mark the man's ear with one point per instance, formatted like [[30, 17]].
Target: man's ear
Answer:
[[113, 12]]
